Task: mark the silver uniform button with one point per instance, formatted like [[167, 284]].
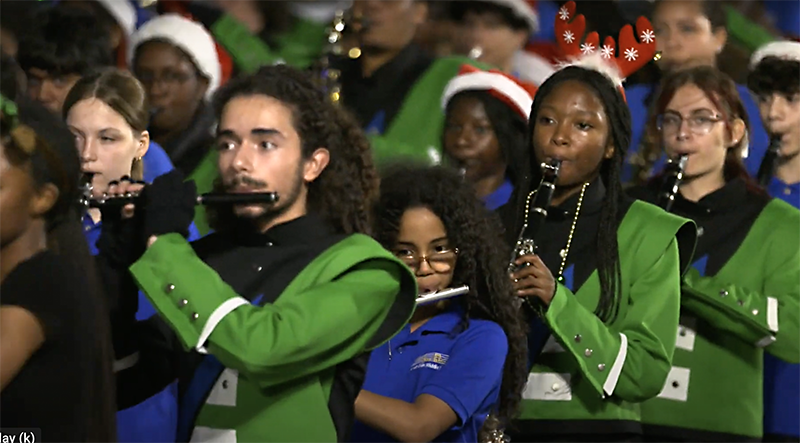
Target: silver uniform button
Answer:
[[555, 387], [587, 352], [195, 316], [169, 288], [755, 311], [723, 293], [183, 303], [578, 338], [601, 367]]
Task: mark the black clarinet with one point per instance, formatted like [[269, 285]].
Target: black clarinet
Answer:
[[535, 212], [673, 176], [767, 168]]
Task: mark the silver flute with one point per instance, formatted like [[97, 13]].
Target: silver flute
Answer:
[[444, 294]]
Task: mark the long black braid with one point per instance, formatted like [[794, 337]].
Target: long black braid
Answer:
[[619, 118]]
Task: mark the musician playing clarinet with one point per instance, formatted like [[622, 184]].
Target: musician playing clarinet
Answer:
[[602, 288], [280, 305], [775, 80], [740, 298], [460, 359]]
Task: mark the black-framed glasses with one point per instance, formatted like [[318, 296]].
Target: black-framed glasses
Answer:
[[441, 260], [699, 124]]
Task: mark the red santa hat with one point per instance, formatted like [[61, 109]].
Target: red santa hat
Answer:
[[587, 53], [786, 50], [189, 36], [515, 93]]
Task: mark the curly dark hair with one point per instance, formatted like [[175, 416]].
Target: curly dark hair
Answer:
[[619, 118], [482, 258], [775, 75], [65, 41], [345, 191], [509, 128]]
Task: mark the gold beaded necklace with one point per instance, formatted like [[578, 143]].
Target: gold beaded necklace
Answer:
[[564, 252]]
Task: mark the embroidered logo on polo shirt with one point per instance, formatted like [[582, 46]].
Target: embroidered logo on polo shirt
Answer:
[[431, 360]]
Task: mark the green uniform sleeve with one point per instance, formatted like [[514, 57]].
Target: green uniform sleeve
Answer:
[[631, 359], [301, 335], [247, 50], [766, 318], [387, 152]]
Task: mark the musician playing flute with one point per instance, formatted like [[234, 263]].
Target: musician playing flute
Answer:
[[604, 282], [279, 306], [740, 298], [460, 359], [775, 80]]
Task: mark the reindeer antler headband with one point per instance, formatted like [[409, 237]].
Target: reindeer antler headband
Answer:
[[589, 54]]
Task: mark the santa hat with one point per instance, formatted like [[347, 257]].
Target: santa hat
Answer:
[[516, 94], [587, 53], [522, 9], [189, 36], [785, 50], [123, 12]]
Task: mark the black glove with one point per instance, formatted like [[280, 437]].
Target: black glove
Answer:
[[169, 205], [121, 241]]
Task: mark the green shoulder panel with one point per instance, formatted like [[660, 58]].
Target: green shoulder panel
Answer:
[[640, 226], [415, 133]]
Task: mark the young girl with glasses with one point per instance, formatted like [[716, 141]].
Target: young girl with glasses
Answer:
[[741, 297], [458, 360]]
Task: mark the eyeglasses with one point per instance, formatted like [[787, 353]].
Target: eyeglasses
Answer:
[[699, 124], [169, 78], [442, 260]]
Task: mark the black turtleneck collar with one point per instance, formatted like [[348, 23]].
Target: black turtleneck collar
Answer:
[[592, 202], [725, 199], [309, 228]]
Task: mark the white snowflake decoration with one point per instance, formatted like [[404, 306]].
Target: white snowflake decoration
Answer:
[[587, 48], [607, 51], [569, 37], [648, 36], [631, 54], [563, 14]]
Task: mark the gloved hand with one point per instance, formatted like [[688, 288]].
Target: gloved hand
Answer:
[[121, 241], [169, 205]]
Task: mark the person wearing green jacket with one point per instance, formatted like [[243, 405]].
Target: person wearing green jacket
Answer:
[[394, 88], [280, 306], [603, 288], [741, 297]]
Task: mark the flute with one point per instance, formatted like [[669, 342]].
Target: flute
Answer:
[[214, 198], [441, 295]]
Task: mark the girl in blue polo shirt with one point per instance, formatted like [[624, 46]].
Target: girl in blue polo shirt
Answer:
[[459, 360], [485, 130]]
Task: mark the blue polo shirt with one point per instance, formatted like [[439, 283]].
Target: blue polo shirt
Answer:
[[782, 379], [462, 367]]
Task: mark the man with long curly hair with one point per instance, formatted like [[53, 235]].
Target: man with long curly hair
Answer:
[[282, 303]]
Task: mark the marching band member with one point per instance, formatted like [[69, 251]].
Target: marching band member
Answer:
[[775, 80], [458, 360], [605, 279], [55, 358], [107, 113], [741, 297], [280, 305], [486, 119]]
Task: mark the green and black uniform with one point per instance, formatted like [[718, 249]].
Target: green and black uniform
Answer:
[[739, 300], [590, 376]]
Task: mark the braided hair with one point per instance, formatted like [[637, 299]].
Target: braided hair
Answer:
[[619, 118]]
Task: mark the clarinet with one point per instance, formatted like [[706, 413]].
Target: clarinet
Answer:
[[673, 176], [535, 213], [767, 168], [87, 200]]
